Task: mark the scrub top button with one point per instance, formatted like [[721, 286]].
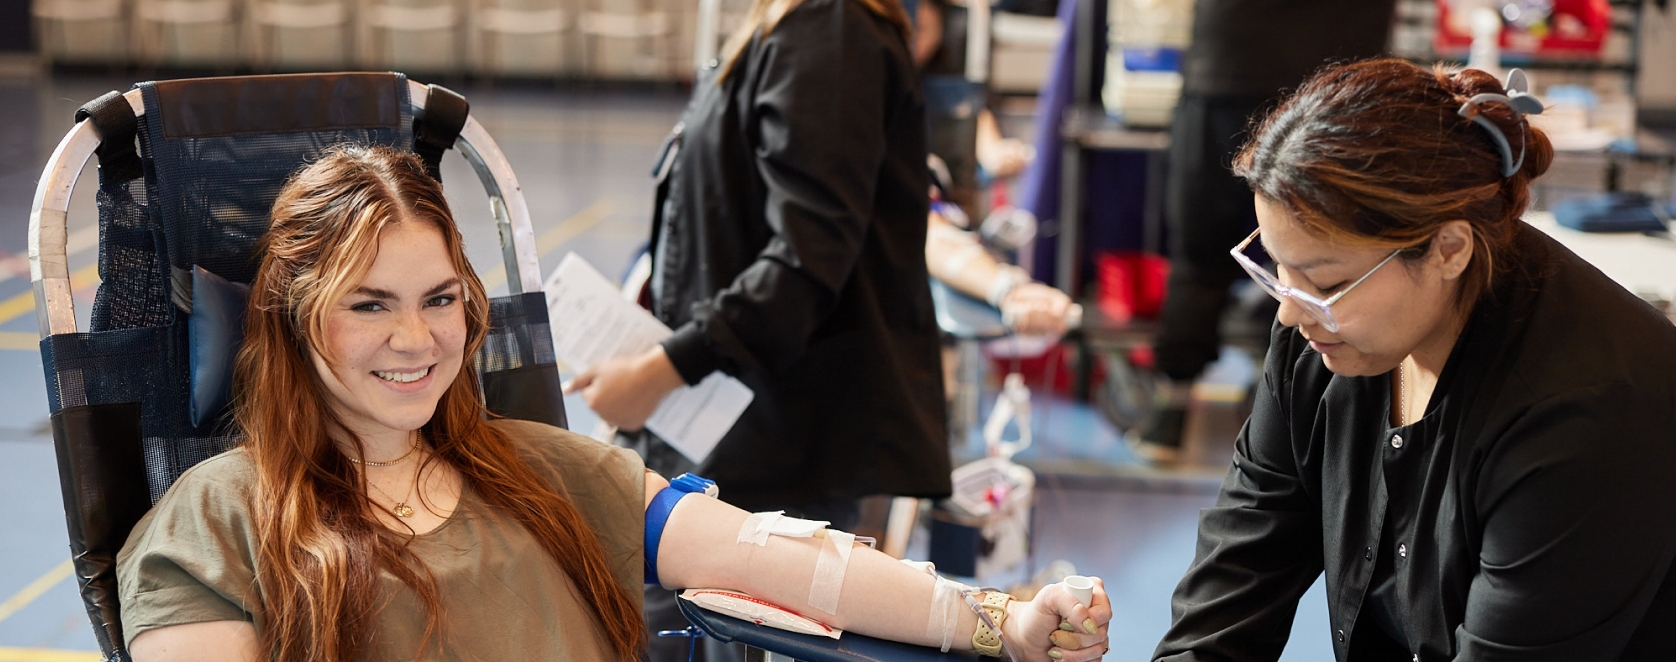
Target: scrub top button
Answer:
[[1402, 550], [1341, 636], [1367, 553], [1396, 441]]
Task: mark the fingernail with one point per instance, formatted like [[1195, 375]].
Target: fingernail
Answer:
[[1065, 626], [1055, 655], [1090, 626]]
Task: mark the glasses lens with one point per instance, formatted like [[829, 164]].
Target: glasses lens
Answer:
[[1320, 313], [1267, 281]]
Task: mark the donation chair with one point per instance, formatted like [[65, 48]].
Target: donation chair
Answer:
[[133, 398]]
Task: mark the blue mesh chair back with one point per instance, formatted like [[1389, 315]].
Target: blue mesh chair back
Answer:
[[212, 156]]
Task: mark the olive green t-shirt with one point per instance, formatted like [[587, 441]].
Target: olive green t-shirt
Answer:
[[191, 559]]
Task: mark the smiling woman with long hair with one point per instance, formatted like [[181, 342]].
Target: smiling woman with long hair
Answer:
[[375, 511]]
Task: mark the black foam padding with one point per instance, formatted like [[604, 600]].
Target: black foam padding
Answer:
[[438, 125], [102, 474], [114, 121]]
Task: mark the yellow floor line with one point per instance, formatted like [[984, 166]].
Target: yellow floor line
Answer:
[[23, 304], [567, 230], [10, 654], [35, 588]]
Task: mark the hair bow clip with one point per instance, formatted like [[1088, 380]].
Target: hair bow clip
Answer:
[[1516, 98]]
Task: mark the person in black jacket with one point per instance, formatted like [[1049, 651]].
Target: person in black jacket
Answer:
[[1465, 427], [1243, 56], [788, 247]]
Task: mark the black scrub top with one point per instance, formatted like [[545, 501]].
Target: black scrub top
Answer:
[[1529, 515], [790, 252]]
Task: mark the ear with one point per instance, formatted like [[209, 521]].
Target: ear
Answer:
[[1454, 244]]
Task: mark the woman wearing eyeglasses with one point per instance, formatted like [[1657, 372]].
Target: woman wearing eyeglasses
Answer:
[[1466, 428]]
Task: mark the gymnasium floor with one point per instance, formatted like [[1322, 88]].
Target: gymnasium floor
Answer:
[[582, 157]]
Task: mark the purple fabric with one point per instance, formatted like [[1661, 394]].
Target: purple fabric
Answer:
[[1115, 181], [1039, 184]]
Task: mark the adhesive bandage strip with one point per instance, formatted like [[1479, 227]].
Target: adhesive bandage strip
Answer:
[[758, 527], [831, 571], [944, 614]]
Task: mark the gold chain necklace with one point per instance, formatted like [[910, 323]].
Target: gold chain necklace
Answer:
[[401, 509], [387, 463]]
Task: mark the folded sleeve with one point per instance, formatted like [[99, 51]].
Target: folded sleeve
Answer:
[[1577, 513], [191, 558], [822, 90], [1258, 548]]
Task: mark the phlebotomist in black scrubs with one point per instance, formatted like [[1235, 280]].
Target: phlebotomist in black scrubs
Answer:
[[1466, 428]]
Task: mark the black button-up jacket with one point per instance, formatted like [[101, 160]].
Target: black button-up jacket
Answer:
[[1528, 516], [789, 243]]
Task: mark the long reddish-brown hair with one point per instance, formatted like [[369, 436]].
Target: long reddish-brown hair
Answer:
[[320, 546], [1375, 154]]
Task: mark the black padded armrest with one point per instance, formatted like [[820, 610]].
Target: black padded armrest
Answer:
[[102, 471], [850, 647]]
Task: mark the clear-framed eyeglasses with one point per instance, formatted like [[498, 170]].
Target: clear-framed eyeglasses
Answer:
[[1318, 308]]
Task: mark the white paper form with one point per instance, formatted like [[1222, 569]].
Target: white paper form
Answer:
[[592, 322]]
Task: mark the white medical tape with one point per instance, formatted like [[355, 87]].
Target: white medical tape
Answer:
[[760, 526], [945, 612], [756, 529], [831, 572]]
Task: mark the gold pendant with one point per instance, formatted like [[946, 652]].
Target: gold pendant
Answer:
[[402, 510]]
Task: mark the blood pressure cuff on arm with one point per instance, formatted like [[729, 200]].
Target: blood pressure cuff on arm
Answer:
[[659, 511]]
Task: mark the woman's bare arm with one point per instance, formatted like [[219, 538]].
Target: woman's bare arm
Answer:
[[880, 596], [213, 641]]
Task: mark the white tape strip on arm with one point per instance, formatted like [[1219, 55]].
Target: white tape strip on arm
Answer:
[[945, 611], [831, 571], [758, 527]]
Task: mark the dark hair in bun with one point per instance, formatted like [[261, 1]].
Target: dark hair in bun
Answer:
[[1374, 153]]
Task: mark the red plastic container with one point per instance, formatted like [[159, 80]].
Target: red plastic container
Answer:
[[1131, 284], [1452, 34]]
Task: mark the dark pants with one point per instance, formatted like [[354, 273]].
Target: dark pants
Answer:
[[1209, 210], [659, 605]]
